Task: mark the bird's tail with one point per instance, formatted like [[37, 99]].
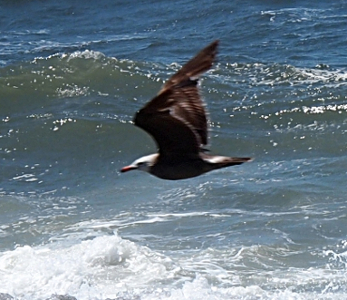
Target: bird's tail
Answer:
[[218, 162]]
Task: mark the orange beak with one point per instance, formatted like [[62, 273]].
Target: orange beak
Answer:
[[128, 168]]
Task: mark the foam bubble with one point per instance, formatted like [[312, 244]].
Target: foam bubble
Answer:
[[115, 268], [100, 268], [86, 54]]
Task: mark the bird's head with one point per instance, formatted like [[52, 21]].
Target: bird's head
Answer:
[[143, 164]]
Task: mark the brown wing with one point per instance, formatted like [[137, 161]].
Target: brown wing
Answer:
[[197, 65], [172, 133], [190, 108], [176, 117]]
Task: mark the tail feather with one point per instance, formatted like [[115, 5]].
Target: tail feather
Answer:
[[217, 162], [237, 161]]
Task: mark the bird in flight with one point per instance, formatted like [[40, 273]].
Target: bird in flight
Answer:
[[176, 119]]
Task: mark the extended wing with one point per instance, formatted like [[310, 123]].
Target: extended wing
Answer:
[[193, 68], [176, 117]]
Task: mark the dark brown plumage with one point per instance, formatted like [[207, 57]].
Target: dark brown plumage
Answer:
[[176, 119]]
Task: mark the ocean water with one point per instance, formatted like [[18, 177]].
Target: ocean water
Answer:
[[72, 75]]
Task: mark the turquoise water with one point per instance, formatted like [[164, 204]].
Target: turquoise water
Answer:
[[72, 76]]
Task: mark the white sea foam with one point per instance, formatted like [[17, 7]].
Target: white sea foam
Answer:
[[276, 74], [69, 91], [115, 268], [86, 54], [91, 269]]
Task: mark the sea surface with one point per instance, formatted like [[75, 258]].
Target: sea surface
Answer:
[[72, 75]]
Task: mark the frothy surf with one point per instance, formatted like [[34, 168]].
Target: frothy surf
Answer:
[[115, 268]]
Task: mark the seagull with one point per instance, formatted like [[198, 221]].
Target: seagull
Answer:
[[176, 119]]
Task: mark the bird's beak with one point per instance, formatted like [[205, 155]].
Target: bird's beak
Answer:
[[128, 168]]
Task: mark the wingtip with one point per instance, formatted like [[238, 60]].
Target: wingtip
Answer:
[[215, 43], [212, 48]]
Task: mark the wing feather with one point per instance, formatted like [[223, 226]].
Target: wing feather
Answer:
[[199, 64], [176, 117], [172, 134]]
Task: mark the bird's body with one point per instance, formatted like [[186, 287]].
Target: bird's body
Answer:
[[176, 119]]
